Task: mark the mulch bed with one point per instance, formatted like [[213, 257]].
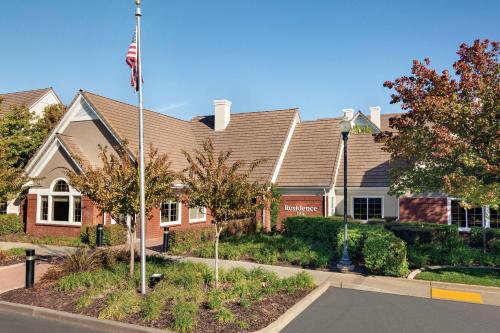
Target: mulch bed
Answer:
[[257, 316], [11, 260]]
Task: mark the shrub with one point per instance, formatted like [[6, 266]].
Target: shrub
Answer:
[[184, 314], [416, 257], [385, 254], [318, 229], [10, 224], [416, 233], [184, 240], [114, 234], [215, 299], [120, 304], [224, 316], [356, 237], [80, 261], [490, 235]]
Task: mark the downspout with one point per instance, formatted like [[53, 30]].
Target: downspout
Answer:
[[325, 209]]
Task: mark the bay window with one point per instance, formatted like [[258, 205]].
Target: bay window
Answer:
[[60, 204]]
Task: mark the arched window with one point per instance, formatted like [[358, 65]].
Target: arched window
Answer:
[[60, 205], [60, 186]]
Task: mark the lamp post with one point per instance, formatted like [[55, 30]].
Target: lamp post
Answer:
[[345, 263]]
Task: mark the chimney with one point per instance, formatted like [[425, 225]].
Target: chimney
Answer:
[[348, 113], [222, 114], [375, 115]]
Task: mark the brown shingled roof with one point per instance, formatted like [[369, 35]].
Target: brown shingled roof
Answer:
[[250, 136], [73, 148], [21, 98], [168, 134], [368, 165], [254, 135], [312, 154], [384, 120]]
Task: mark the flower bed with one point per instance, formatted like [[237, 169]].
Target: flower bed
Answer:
[[185, 300]]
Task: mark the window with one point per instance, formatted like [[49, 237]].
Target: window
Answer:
[[494, 218], [367, 208], [466, 218], [44, 207], [61, 186], [59, 204], [197, 214], [3, 208], [77, 209], [475, 217], [169, 213]]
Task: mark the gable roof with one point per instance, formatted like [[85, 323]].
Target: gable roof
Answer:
[[21, 98], [250, 136], [312, 154], [168, 134], [368, 165]]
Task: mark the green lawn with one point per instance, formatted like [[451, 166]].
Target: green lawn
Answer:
[[479, 276]]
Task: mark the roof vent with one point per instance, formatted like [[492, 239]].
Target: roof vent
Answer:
[[375, 115], [222, 114]]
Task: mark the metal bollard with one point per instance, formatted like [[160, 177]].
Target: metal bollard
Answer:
[[30, 268], [100, 235], [166, 236]]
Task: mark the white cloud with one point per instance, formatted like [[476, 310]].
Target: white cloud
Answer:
[[170, 107]]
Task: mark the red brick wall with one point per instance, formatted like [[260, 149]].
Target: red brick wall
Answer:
[[423, 209], [314, 206], [154, 230], [89, 217]]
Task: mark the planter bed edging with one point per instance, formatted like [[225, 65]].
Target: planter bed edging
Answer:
[[82, 320]]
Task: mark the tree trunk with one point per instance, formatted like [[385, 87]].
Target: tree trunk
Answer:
[[218, 230], [131, 248]]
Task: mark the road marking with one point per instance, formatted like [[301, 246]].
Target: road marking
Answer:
[[461, 296]]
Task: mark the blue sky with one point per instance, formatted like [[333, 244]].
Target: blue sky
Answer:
[[320, 56]]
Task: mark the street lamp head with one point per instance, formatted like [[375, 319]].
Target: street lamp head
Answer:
[[345, 126]]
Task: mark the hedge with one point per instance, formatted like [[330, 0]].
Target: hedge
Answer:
[[10, 224], [114, 234], [384, 253], [316, 229], [356, 237], [183, 240], [416, 233], [492, 237]]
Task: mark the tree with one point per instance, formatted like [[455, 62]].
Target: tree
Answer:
[[21, 134], [222, 187], [449, 138], [11, 179], [114, 186]]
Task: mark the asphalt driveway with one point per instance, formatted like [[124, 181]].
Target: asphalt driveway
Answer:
[[354, 311]]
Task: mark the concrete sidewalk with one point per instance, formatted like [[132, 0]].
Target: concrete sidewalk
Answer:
[[40, 249], [383, 284]]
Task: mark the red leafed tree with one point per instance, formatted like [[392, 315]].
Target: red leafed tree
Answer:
[[449, 137]]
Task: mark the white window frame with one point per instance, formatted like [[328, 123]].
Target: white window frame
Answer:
[[50, 193], [202, 219], [179, 216], [367, 197], [485, 215]]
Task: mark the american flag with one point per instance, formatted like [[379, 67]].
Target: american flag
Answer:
[[131, 61]]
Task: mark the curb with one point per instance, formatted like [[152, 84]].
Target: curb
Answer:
[[414, 273], [77, 319], [295, 310]]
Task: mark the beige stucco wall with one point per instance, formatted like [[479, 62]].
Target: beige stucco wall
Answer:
[[390, 203], [48, 99], [88, 134], [56, 168]]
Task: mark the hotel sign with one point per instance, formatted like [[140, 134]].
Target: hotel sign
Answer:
[[300, 210]]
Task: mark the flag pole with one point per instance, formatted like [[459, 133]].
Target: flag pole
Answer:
[[141, 150]]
